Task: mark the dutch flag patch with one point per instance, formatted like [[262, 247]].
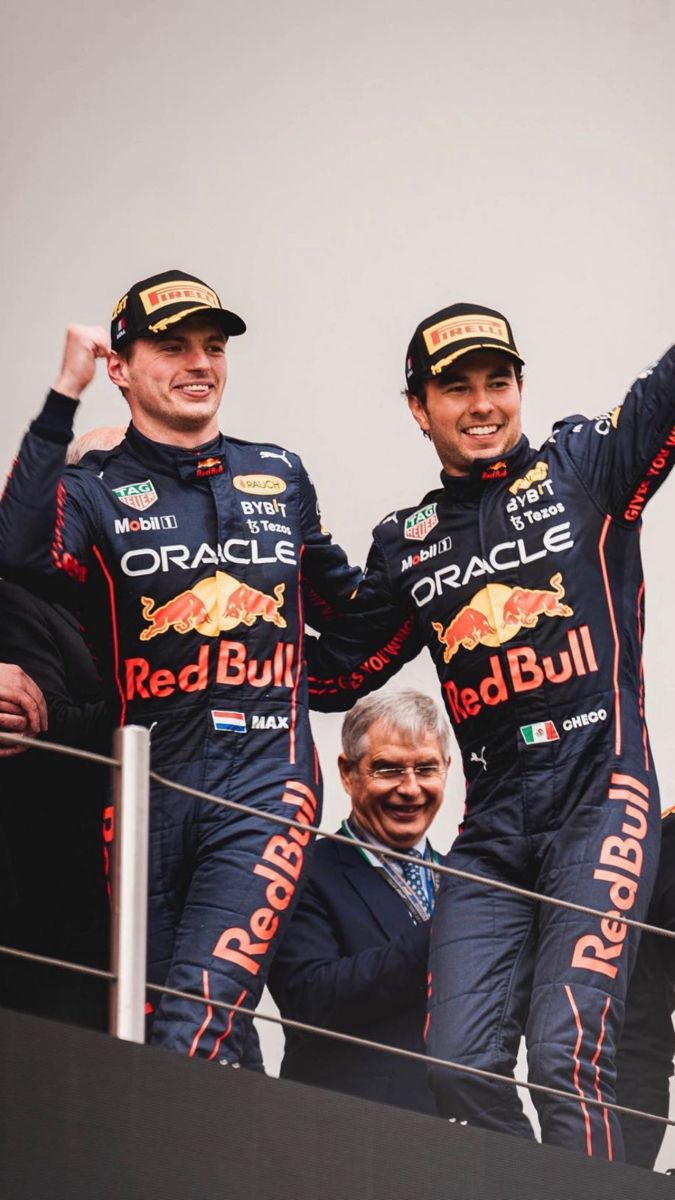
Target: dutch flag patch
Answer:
[[228, 722]]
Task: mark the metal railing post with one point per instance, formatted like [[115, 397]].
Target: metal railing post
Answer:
[[130, 883]]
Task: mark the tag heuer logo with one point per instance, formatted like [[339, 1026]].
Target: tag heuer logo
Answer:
[[421, 523], [137, 495]]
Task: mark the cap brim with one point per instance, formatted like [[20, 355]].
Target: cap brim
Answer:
[[231, 323], [439, 367], [228, 321]]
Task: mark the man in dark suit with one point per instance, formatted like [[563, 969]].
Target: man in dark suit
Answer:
[[354, 958]]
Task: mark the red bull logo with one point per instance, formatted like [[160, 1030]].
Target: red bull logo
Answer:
[[522, 670], [498, 470], [183, 613], [526, 605], [468, 628], [233, 668], [209, 466], [620, 867], [246, 604], [213, 606], [497, 613], [281, 863]]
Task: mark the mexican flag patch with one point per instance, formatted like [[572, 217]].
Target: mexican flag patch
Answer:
[[545, 731]]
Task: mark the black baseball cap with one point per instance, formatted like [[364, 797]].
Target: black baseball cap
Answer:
[[444, 337], [151, 306]]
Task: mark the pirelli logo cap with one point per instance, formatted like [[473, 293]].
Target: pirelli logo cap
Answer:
[[447, 335], [155, 304]]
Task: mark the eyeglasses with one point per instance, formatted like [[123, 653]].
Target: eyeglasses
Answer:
[[397, 775]]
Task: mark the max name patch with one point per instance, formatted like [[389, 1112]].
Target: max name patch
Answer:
[[225, 721]]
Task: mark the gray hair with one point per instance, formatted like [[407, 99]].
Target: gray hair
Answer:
[[105, 437], [409, 713]]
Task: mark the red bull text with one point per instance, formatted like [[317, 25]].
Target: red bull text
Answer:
[[233, 668], [523, 671], [281, 862], [620, 866]]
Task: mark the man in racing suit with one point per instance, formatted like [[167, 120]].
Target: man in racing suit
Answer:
[[647, 1046], [191, 555], [522, 575]]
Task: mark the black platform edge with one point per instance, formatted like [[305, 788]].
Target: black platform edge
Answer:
[[87, 1117]]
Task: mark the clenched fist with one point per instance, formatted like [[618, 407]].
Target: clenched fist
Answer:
[[84, 344]]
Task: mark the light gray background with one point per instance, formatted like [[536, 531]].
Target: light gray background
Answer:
[[338, 172]]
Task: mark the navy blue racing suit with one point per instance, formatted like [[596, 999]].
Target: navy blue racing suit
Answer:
[[193, 569], [645, 1058], [523, 579]]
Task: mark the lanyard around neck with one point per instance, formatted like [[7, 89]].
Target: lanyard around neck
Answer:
[[392, 871]]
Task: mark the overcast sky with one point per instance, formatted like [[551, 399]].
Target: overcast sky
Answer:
[[338, 172]]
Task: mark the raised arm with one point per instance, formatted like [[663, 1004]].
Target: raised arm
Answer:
[[32, 504]]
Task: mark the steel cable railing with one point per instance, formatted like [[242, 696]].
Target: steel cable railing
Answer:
[[398, 855], [426, 1059], [127, 977]]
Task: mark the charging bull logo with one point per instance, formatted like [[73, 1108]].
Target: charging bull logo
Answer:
[[526, 605], [183, 613], [246, 604], [468, 628], [209, 466], [497, 470], [497, 613], [213, 606]]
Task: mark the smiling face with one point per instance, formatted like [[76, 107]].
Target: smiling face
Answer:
[[399, 810], [174, 382], [472, 411]]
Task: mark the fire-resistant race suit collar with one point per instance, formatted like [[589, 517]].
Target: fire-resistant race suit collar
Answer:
[[210, 456], [485, 471]]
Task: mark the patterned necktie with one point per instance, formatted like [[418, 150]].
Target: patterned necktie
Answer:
[[413, 876]]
